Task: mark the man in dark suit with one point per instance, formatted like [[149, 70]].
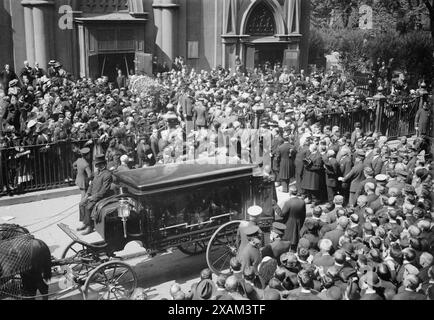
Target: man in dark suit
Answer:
[[6, 76], [250, 255], [377, 161], [98, 190], [186, 101], [356, 176], [83, 172], [313, 168], [299, 165], [285, 158], [200, 114], [277, 246], [293, 215], [277, 142], [345, 166], [332, 174]]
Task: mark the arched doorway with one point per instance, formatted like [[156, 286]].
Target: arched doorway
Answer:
[[263, 48]]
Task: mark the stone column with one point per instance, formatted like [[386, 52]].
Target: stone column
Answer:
[[41, 29], [30, 39], [166, 28], [158, 20]]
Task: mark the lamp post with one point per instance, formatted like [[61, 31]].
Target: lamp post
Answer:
[[380, 100]]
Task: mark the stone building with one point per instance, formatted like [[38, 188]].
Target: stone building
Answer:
[[93, 37]]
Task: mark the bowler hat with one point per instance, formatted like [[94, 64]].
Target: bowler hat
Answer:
[[99, 159]]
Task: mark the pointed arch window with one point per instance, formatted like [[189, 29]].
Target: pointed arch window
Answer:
[[261, 21]]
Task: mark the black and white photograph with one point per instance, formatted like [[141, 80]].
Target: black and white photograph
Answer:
[[232, 151]]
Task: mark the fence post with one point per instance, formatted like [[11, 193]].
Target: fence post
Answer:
[[380, 100]]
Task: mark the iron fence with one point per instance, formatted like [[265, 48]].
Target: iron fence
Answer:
[[346, 121]]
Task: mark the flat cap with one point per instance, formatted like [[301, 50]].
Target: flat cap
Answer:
[[252, 230]]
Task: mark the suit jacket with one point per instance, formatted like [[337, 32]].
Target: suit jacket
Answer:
[[275, 249], [356, 177], [312, 172], [377, 165], [101, 185], [345, 167], [293, 215], [83, 173], [332, 171], [285, 158]]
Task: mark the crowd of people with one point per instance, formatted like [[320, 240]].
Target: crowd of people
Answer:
[[39, 107], [373, 241]]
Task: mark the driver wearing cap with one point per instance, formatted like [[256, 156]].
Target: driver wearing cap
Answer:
[[253, 214], [250, 255], [277, 246]]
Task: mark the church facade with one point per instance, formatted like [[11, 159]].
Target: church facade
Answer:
[[93, 37]]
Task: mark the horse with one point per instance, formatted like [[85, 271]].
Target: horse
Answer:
[[37, 269]]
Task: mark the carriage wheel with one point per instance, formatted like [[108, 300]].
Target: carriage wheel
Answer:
[[110, 281], [193, 249], [78, 251], [222, 247]]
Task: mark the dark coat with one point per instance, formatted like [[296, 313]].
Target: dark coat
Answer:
[[356, 176], [83, 173], [241, 235], [101, 185], [275, 249], [345, 166], [250, 257], [285, 158], [377, 165], [277, 142], [325, 261], [294, 215], [332, 171], [312, 173]]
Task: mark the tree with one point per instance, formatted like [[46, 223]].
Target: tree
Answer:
[[430, 6]]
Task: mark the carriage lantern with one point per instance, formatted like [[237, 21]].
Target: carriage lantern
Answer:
[[124, 213]]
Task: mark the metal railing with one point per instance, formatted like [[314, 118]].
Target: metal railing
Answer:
[[398, 118], [346, 121], [38, 167]]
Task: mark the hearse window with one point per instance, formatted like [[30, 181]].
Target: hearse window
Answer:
[[195, 206]]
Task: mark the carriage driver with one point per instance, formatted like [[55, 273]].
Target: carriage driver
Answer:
[[253, 213], [98, 190]]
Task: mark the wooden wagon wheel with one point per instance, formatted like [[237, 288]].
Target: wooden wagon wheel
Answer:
[[80, 252], [222, 247], [193, 249], [111, 281]]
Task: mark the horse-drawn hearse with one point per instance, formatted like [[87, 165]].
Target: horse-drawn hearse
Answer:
[[194, 207]]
